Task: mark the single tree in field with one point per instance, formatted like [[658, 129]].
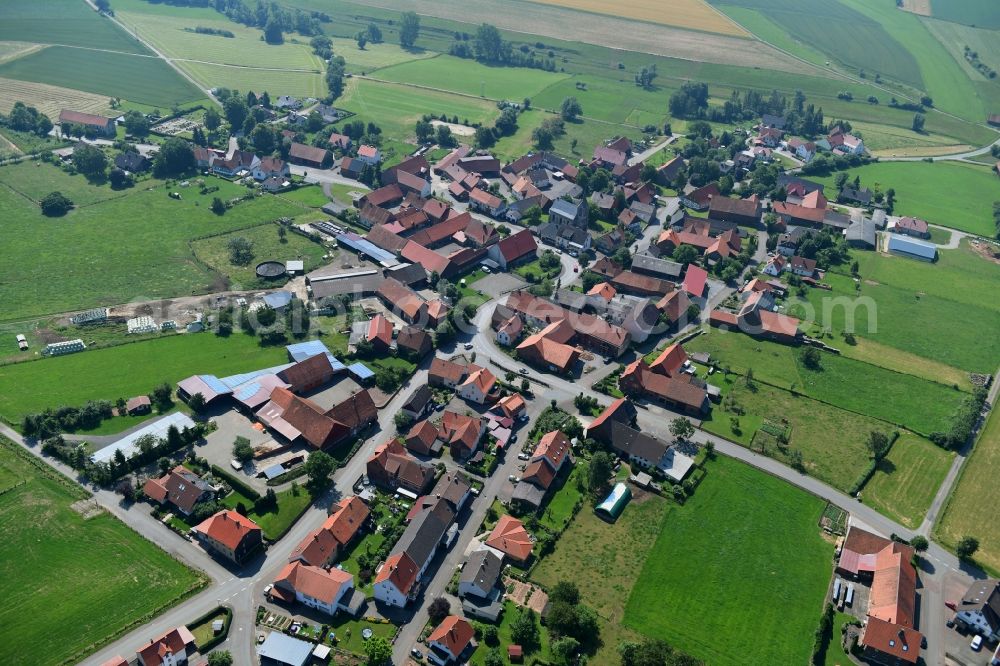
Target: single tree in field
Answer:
[[218, 206], [240, 251], [409, 30], [570, 109], [918, 123], [598, 472], [967, 547], [878, 444], [55, 204]]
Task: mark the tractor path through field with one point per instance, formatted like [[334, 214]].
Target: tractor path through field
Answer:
[[944, 491], [162, 56]]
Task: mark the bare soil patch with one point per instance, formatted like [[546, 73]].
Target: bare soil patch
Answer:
[[921, 7], [88, 508], [456, 129], [688, 14]]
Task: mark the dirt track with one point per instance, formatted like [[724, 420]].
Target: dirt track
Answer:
[[608, 31], [922, 7]]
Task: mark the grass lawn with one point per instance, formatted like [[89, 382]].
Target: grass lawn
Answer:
[[971, 509], [832, 441], [126, 370], [267, 245], [874, 353], [91, 579], [125, 248], [348, 632], [343, 192], [203, 631], [564, 496], [835, 654], [951, 194], [724, 538], [275, 522], [146, 80], [620, 548], [906, 481], [308, 195], [510, 612], [842, 382]]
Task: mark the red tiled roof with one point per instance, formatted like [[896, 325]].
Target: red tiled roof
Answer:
[[545, 350], [554, 446], [384, 195], [461, 429], [797, 212], [385, 239], [227, 527], [421, 437], [355, 411], [446, 370], [379, 329], [367, 151], [482, 379], [669, 361], [695, 280], [321, 584], [893, 639], [441, 230], [517, 245], [912, 224], [510, 538], [485, 198], [453, 634], [80, 118], [429, 259], [303, 415], [703, 195], [304, 375], [117, 660], [175, 642], [400, 570], [674, 304]]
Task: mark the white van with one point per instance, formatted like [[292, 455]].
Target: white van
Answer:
[[977, 642], [849, 599]]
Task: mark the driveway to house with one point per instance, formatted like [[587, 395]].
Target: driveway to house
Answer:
[[649, 152]]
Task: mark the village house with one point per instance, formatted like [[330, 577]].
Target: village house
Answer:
[[549, 458], [478, 387], [270, 167], [461, 433], [171, 649], [510, 538], [446, 374], [478, 585], [676, 390], [911, 226], [105, 127], [310, 156], [229, 535], [414, 342], [391, 467], [449, 641], [700, 198], [573, 213], [485, 202], [516, 248], [322, 547], [370, 155], [340, 141], [326, 590], [422, 439], [564, 236], [396, 582], [351, 167], [180, 488], [740, 211]]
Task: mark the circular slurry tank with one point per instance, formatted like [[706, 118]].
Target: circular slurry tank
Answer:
[[270, 269]]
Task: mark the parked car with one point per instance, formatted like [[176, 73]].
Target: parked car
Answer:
[[523, 456], [468, 345], [523, 371], [513, 479], [416, 654], [267, 590], [977, 642], [237, 465]]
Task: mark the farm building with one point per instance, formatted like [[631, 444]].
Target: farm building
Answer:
[[67, 347], [614, 503], [128, 444], [104, 126], [911, 247]]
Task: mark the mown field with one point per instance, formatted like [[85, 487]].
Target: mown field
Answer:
[[68, 22], [50, 100], [843, 382], [907, 480], [621, 549], [951, 194], [971, 509], [86, 580], [690, 14], [766, 597], [126, 370], [396, 108], [143, 79], [127, 247]]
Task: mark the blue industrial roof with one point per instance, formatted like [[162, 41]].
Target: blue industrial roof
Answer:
[[912, 246], [300, 351], [215, 384], [360, 370], [359, 244]]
